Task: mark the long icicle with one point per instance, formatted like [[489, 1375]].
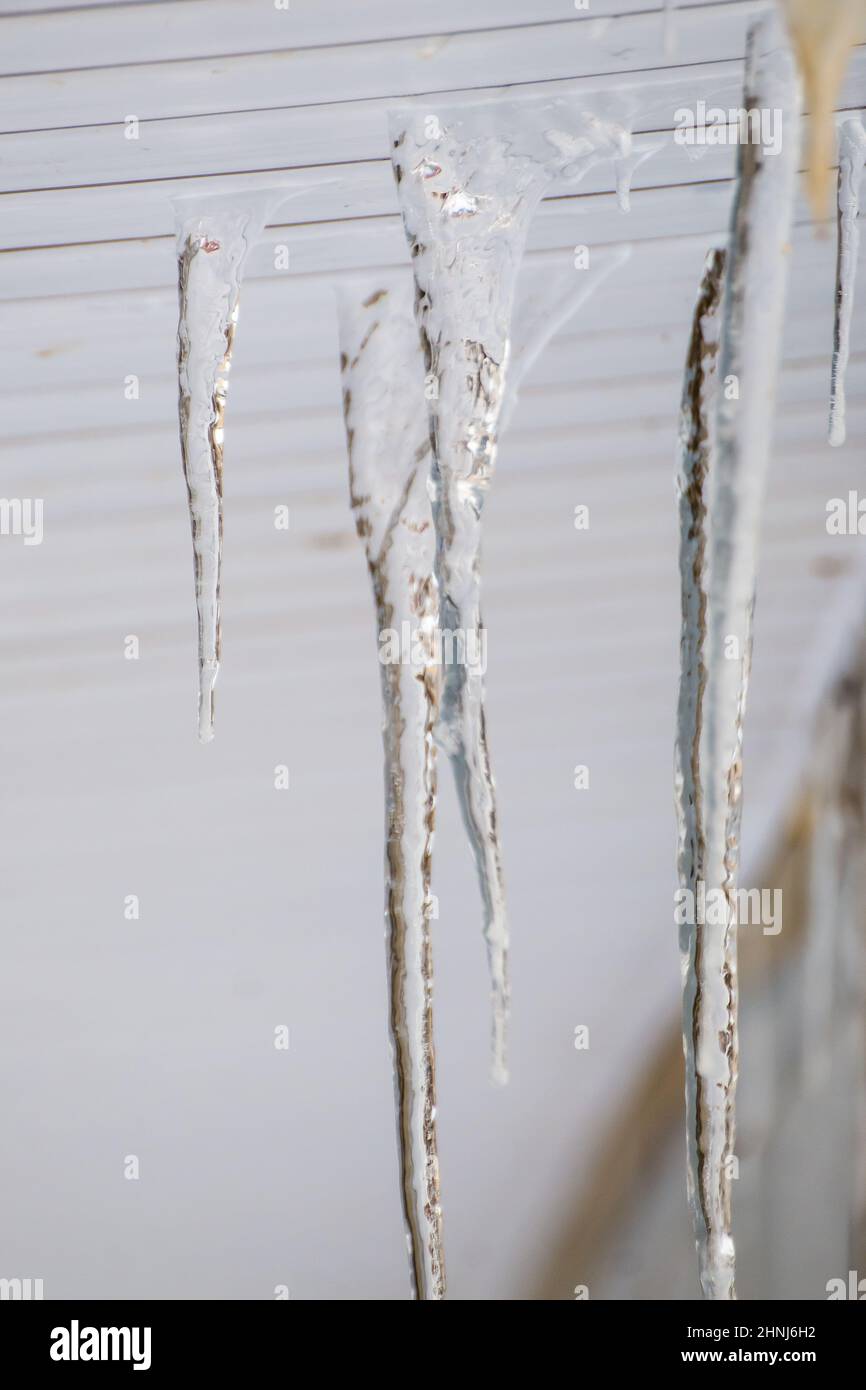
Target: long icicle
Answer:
[[383, 398], [695, 454], [852, 153], [467, 198], [212, 244], [753, 310], [823, 33]]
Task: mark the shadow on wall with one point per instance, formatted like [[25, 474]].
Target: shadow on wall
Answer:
[[800, 1191]]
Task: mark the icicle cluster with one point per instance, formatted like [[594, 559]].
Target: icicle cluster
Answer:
[[429, 377], [468, 194]]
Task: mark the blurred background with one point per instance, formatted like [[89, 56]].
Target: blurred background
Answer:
[[153, 1035]]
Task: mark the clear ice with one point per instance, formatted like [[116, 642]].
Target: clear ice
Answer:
[[822, 33]]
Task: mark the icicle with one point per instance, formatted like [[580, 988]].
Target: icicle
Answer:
[[748, 359], [213, 238], [825, 906], [695, 452], [468, 193], [626, 164], [823, 32], [852, 152], [383, 396]]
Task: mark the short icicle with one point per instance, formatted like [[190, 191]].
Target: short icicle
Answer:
[[468, 192], [753, 309], [213, 238], [388, 445], [549, 295], [852, 153]]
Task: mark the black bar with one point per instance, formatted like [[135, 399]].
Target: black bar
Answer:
[[227, 1337]]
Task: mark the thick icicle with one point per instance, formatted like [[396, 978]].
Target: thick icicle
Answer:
[[852, 152], [695, 453], [213, 238], [383, 397], [753, 309], [469, 182]]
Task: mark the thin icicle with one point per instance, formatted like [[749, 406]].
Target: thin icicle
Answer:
[[468, 194], [852, 153], [383, 397], [823, 33], [749, 350], [213, 239]]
